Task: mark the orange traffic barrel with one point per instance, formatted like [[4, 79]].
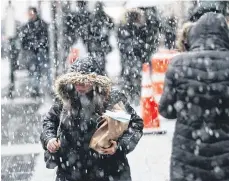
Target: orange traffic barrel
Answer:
[[160, 62], [149, 108]]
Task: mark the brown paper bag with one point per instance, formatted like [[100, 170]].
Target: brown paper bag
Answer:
[[108, 129]]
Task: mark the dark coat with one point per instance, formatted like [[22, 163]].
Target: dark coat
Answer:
[[170, 32], [196, 92], [79, 162], [69, 29], [153, 28], [131, 39], [131, 43], [76, 26], [99, 32], [131, 46], [137, 41], [82, 25], [34, 36]]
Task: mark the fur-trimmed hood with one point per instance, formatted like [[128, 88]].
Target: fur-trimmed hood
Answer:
[[210, 32], [65, 83], [182, 37], [83, 71]]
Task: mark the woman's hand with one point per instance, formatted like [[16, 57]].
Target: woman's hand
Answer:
[[111, 150], [53, 145]]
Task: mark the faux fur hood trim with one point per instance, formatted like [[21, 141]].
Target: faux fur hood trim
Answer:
[[182, 36], [103, 83]]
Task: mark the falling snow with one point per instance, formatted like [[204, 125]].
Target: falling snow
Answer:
[[45, 62]]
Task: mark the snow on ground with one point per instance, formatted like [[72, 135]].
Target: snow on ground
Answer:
[[41, 173], [5, 74], [151, 158], [5, 71]]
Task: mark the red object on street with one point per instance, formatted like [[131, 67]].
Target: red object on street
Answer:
[[149, 108], [73, 55]]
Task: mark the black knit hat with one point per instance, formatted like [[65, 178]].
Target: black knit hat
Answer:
[[86, 65]]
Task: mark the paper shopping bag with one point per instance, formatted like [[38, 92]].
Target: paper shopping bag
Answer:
[[108, 129]]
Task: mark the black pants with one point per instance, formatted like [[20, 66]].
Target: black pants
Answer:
[[13, 56], [132, 80], [170, 39]]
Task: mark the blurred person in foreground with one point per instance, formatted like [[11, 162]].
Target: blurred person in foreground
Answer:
[[196, 93], [83, 94], [35, 46]]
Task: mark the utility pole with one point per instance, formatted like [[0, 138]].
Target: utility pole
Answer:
[[55, 36], [10, 33], [60, 36], [63, 47], [39, 7], [183, 12]]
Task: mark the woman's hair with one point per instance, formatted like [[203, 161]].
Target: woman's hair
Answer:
[[132, 15], [33, 9], [182, 37]]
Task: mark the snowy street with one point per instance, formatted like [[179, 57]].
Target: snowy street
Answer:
[[22, 155], [73, 72]]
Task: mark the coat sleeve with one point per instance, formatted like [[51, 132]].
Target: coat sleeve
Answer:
[[168, 98], [109, 22], [122, 39], [23, 35], [50, 123], [130, 138], [133, 134], [43, 42]]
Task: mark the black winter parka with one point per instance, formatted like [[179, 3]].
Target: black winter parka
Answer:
[[196, 92], [77, 161]]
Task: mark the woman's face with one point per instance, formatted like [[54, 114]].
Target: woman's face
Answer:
[[83, 88]]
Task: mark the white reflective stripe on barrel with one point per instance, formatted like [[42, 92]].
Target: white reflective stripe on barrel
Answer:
[[146, 80], [158, 77], [163, 56], [157, 98], [146, 92]]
